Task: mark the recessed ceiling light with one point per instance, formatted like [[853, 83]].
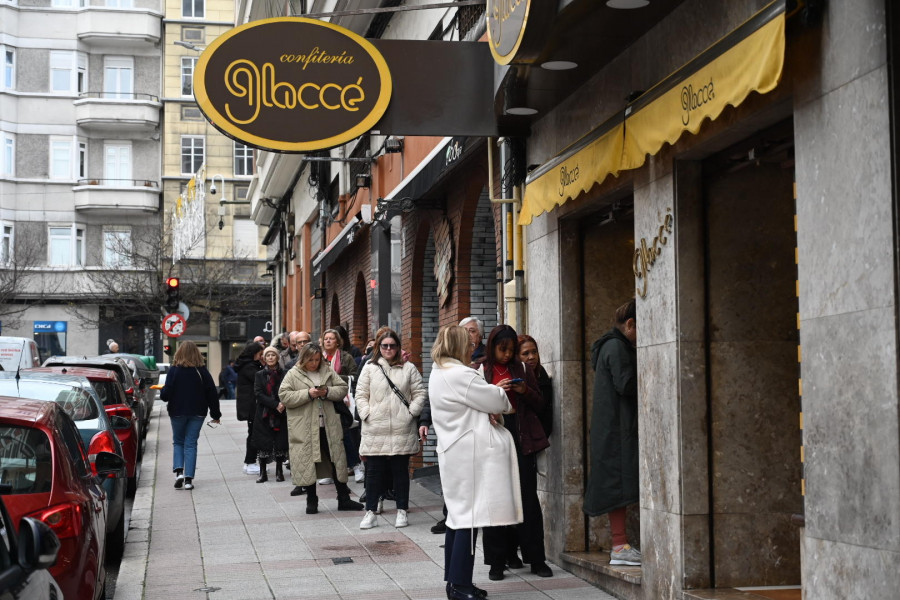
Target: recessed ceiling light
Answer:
[[626, 4], [559, 65], [521, 111]]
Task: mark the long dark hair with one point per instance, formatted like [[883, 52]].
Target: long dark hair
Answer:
[[501, 333], [249, 352]]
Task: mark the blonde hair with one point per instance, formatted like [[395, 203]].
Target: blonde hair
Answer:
[[452, 343], [188, 355], [307, 352]]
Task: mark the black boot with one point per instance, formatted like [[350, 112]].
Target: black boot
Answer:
[[343, 494], [263, 472], [279, 474], [312, 500], [298, 490]]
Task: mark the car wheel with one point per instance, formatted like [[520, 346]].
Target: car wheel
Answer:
[[131, 489], [115, 542]]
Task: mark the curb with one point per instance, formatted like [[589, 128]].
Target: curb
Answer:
[[133, 569]]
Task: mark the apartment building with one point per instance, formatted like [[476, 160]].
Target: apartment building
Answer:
[[79, 171], [223, 265]]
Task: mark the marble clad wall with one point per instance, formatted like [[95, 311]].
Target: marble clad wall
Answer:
[[848, 308], [658, 407], [755, 433]]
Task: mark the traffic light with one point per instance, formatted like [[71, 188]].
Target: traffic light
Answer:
[[169, 349], [173, 294]]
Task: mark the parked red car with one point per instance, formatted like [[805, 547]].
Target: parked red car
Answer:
[[110, 390], [46, 475]]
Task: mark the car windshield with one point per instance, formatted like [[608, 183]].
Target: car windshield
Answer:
[[26, 460], [77, 403]]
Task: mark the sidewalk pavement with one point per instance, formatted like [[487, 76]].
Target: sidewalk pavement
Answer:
[[233, 539]]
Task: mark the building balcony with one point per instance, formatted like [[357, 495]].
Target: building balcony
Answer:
[[116, 112], [118, 28], [115, 195]]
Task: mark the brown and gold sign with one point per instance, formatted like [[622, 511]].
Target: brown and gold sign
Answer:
[[292, 84], [516, 28]]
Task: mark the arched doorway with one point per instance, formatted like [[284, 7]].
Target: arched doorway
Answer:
[[360, 330], [335, 316]]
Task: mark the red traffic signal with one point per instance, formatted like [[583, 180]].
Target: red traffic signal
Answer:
[[173, 298]]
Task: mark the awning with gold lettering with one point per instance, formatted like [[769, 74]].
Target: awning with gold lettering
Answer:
[[749, 59]]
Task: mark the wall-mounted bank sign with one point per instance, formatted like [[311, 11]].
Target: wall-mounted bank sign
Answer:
[[50, 326], [292, 84]]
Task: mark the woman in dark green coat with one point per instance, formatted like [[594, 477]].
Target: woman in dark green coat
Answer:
[[613, 481]]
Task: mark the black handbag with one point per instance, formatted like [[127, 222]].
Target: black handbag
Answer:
[[344, 413]]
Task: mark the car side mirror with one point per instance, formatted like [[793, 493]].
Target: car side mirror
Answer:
[[120, 423], [108, 463], [38, 545]]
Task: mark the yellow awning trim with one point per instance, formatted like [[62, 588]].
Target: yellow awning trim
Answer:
[[574, 175], [754, 64]]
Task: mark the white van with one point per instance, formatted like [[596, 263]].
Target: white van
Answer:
[[16, 352]]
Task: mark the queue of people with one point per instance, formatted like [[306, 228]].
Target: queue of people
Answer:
[[491, 408]]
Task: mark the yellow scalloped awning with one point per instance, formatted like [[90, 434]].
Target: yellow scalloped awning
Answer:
[[722, 76]]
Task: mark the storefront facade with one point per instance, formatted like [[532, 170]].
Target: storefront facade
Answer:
[[767, 326]]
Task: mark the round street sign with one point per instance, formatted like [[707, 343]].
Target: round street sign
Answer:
[[173, 325]]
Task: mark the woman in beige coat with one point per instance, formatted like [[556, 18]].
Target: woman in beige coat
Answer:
[[308, 392], [390, 396], [477, 458]]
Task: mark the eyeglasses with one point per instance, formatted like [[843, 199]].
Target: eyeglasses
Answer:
[[388, 346]]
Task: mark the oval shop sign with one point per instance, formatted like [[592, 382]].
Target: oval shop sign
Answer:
[[291, 84]]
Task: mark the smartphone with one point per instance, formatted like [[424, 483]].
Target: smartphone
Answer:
[[322, 387], [516, 380]]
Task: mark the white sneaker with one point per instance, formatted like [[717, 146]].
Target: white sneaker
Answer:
[[359, 473], [251, 469], [402, 520], [626, 556], [325, 481], [369, 521]]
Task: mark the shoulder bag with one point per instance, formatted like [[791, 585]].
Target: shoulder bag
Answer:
[[394, 387]]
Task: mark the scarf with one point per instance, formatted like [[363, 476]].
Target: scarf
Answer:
[[336, 361]]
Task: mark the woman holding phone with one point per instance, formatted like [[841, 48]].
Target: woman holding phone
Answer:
[[503, 368], [309, 392]]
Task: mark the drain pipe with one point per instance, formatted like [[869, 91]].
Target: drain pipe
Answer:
[[518, 263], [511, 235]]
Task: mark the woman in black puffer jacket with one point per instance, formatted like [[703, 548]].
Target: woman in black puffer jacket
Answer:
[[247, 365]]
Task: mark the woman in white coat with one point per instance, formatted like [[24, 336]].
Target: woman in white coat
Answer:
[[477, 458], [389, 396]]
